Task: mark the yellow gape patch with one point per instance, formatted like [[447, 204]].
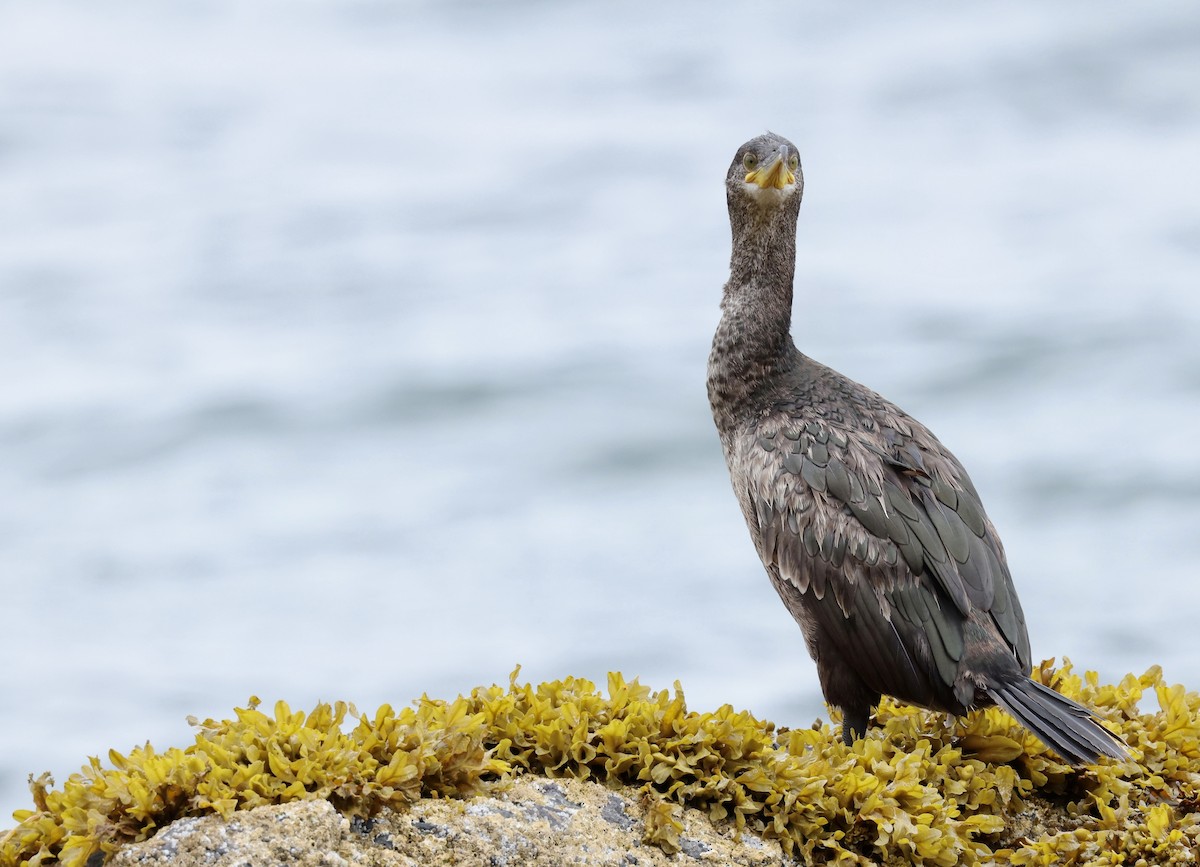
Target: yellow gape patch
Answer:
[[777, 175]]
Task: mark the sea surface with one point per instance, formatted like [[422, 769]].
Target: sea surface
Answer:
[[357, 350]]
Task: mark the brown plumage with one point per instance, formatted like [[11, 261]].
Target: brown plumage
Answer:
[[869, 528]]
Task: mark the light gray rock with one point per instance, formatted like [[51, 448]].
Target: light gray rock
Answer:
[[535, 821]]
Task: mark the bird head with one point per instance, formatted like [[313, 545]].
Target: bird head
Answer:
[[765, 179]]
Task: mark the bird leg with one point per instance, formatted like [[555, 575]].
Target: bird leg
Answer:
[[854, 724]]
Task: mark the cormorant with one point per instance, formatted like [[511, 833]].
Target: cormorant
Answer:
[[870, 529]]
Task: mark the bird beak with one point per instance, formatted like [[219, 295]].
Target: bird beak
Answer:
[[775, 174]]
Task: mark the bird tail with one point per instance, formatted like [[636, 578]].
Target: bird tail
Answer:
[[1066, 727]]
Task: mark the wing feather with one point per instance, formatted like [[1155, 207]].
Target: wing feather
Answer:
[[883, 529]]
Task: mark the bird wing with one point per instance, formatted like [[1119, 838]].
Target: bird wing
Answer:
[[887, 524]]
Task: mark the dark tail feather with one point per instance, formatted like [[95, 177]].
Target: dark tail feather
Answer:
[[1066, 727]]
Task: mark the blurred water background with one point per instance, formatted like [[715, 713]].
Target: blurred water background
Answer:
[[356, 350]]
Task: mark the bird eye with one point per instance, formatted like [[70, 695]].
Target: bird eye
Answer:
[[793, 162], [750, 161]]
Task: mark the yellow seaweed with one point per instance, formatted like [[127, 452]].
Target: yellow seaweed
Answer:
[[915, 791]]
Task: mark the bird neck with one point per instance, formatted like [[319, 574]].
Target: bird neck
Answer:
[[763, 257], [753, 342]]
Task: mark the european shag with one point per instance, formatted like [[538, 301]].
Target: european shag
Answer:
[[870, 529]]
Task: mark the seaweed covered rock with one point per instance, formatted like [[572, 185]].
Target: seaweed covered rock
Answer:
[[920, 789]]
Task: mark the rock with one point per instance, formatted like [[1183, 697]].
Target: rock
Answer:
[[534, 821]]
